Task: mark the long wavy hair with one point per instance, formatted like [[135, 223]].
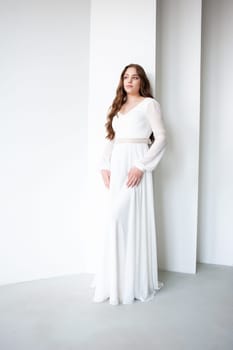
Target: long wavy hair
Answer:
[[121, 97]]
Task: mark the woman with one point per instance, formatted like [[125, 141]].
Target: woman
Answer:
[[127, 270]]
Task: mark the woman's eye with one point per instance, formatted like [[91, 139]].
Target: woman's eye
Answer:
[[126, 77]]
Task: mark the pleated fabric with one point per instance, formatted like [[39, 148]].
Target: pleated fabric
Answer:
[[127, 268]]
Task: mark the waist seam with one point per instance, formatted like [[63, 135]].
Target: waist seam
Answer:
[[133, 140]]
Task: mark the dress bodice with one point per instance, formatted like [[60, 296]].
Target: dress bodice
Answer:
[[139, 122], [134, 123]]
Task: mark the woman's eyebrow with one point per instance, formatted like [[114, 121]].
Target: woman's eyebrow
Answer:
[[133, 75]]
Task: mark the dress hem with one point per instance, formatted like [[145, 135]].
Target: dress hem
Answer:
[[131, 301]]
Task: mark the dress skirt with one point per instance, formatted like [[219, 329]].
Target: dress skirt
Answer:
[[127, 268]]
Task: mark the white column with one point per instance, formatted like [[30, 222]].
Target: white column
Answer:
[[215, 243], [178, 86], [122, 32]]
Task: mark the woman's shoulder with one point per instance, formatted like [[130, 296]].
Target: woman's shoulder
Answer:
[[152, 101]]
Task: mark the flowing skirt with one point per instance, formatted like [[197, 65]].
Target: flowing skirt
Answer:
[[127, 268]]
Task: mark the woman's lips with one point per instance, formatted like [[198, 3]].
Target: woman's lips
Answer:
[[129, 86]]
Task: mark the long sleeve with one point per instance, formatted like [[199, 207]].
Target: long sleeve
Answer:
[[105, 160], [154, 154]]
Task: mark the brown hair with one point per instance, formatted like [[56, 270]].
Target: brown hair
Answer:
[[121, 96]]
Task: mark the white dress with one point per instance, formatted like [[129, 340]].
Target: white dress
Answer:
[[127, 269]]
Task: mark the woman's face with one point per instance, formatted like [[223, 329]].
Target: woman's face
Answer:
[[131, 81]]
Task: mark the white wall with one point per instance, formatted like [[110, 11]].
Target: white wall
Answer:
[[47, 225], [122, 32], [43, 129], [215, 238], [178, 84]]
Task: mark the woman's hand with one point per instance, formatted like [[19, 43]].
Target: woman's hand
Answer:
[[106, 177], [134, 177]]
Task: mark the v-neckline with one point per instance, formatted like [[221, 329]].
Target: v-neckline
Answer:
[[133, 107]]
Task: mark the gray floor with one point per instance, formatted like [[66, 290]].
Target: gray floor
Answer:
[[189, 312]]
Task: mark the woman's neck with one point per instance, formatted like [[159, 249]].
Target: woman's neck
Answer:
[[133, 98]]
